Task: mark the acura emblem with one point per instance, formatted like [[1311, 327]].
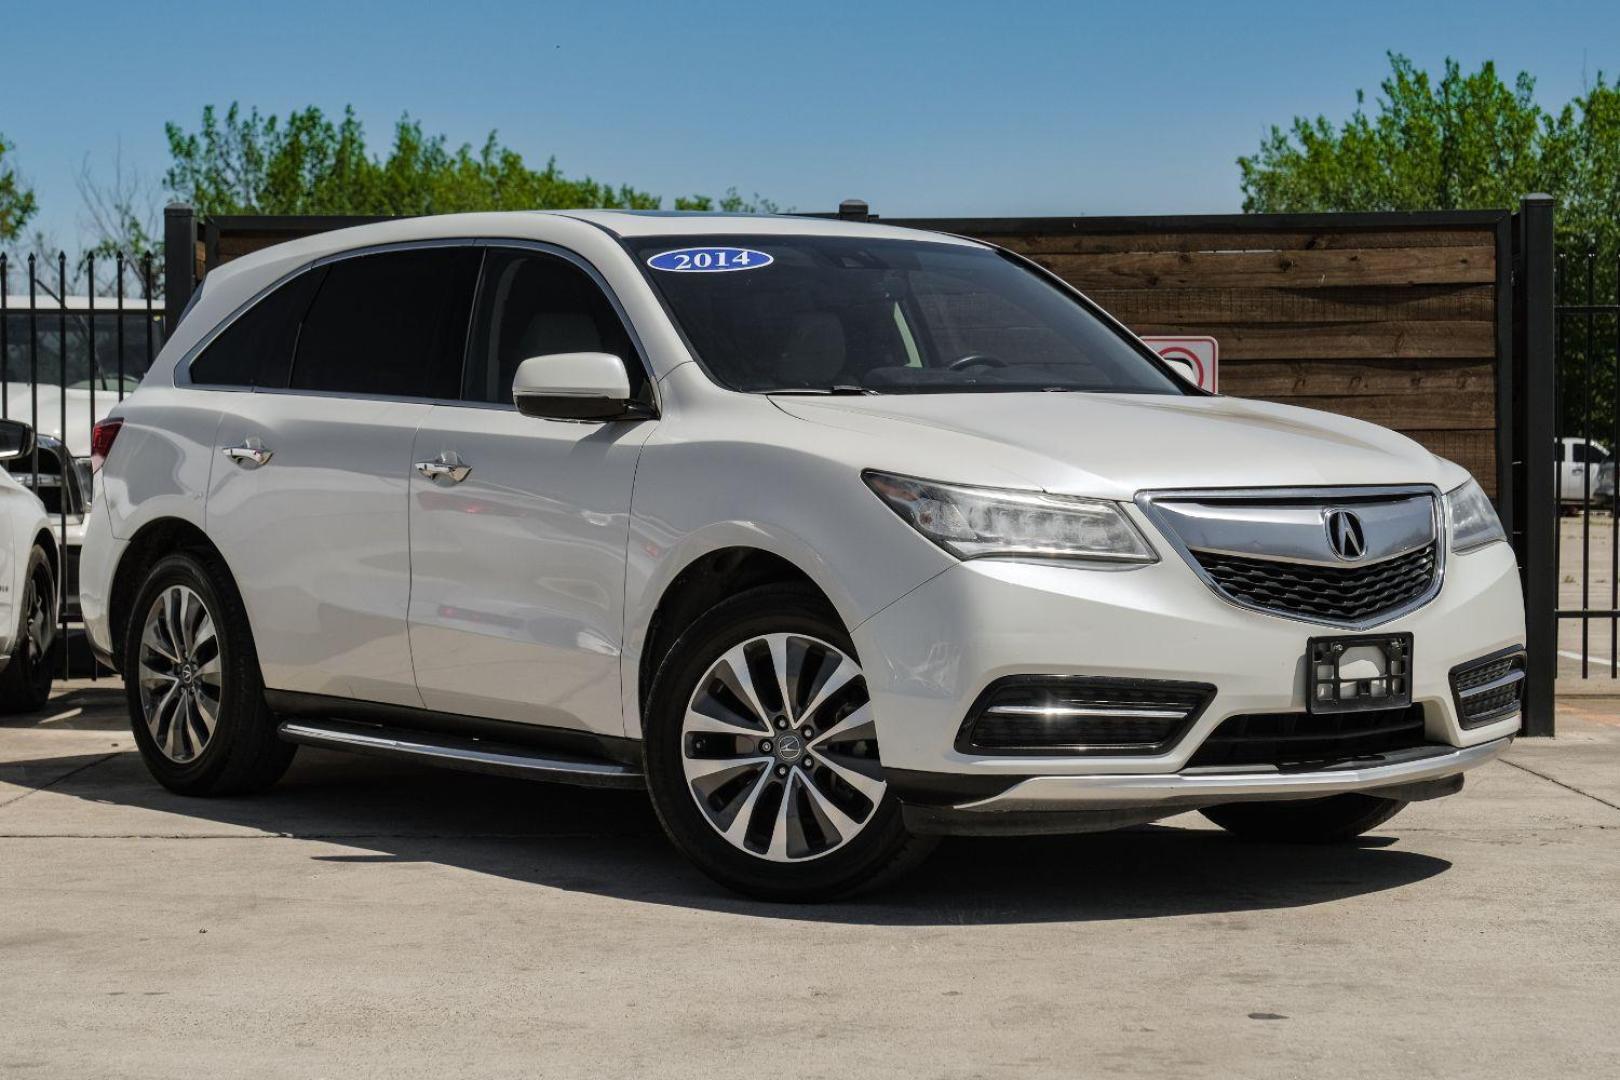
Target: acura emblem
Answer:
[[789, 747], [1345, 535]]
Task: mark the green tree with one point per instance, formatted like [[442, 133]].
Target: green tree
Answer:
[[1464, 141], [17, 203], [1470, 141], [730, 203], [247, 163]]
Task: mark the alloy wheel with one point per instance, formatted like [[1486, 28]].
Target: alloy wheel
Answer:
[[180, 673], [779, 748], [40, 629]]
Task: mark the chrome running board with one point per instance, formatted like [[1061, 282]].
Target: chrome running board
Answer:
[[454, 752]]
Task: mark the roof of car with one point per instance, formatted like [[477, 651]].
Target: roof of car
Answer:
[[529, 223], [635, 223], [18, 302]]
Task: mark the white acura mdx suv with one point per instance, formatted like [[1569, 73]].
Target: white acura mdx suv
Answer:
[[835, 536]]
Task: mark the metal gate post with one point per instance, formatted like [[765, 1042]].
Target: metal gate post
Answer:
[[179, 261], [1534, 362]]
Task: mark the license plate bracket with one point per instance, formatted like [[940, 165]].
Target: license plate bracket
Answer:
[[1358, 674]]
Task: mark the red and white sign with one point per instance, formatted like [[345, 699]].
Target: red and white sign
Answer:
[[1195, 356]]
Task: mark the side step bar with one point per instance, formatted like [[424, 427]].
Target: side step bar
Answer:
[[470, 755]]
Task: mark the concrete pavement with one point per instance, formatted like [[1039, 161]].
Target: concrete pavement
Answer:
[[370, 919]]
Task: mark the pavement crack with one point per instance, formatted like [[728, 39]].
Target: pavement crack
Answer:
[[65, 776], [1567, 787]]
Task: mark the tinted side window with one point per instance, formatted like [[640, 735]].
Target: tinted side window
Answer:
[[257, 349], [392, 324], [531, 304]]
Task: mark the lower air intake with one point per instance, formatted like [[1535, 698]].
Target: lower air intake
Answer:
[[1304, 740]]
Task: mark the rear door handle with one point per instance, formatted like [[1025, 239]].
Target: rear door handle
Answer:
[[446, 468], [250, 455]]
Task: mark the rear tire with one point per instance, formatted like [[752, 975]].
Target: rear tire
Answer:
[[803, 814], [1332, 820], [25, 685], [196, 700]]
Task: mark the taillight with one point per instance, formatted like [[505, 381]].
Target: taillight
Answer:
[[101, 441]]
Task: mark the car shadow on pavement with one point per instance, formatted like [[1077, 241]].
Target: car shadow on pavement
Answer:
[[609, 843], [95, 707]]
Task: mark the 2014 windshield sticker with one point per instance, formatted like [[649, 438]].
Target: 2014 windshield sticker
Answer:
[[709, 260]]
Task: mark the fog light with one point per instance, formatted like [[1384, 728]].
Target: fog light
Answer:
[[1046, 714], [1488, 689]]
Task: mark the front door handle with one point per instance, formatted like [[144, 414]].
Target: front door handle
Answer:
[[447, 468], [250, 455]]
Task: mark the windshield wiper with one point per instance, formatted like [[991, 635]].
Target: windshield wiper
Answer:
[[840, 390]]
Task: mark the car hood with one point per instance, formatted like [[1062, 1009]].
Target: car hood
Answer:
[[1115, 445]]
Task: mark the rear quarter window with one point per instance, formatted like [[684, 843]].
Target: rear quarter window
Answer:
[[256, 349]]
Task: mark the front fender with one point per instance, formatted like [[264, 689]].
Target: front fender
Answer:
[[694, 497]]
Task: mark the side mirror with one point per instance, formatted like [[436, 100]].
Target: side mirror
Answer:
[[16, 440], [575, 386]]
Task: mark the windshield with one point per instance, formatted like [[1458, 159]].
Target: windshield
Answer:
[[836, 314]]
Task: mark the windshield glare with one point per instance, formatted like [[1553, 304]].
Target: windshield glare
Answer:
[[835, 314]]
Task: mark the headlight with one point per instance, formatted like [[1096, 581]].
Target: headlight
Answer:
[[1472, 519], [973, 522], [87, 479]]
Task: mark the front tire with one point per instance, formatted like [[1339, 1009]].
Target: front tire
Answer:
[[25, 685], [761, 753], [1332, 820], [196, 701]]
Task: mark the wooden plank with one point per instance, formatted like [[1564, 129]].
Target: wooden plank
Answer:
[[1372, 303], [1344, 378], [1297, 269], [235, 245], [1473, 450], [1342, 341], [1473, 409], [1236, 240]]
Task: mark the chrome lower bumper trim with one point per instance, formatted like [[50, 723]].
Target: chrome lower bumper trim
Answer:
[[1193, 789]]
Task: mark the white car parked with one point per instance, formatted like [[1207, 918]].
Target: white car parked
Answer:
[[836, 536], [64, 366], [30, 568]]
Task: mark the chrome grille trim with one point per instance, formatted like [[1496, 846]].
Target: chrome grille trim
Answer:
[[1286, 559]]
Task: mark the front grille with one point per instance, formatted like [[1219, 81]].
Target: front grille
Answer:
[[1488, 690], [1346, 594], [1042, 714], [1305, 740]]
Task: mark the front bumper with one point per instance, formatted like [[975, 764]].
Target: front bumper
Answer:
[[1072, 804], [930, 654]]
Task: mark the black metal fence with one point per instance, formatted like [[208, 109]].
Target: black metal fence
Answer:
[[1586, 440], [73, 341]]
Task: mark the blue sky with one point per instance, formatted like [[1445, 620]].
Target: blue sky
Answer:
[[934, 108]]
